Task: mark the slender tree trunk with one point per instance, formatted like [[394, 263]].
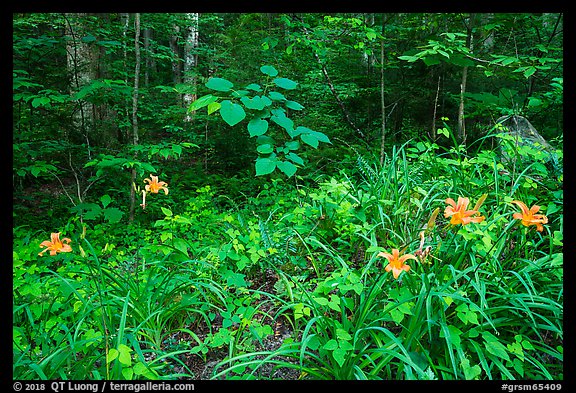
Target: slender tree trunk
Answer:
[[135, 109], [433, 131], [125, 18], [176, 63], [338, 100], [147, 34], [333, 89], [461, 122], [382, 96], [190, 60], [79, 62], [487, 36]]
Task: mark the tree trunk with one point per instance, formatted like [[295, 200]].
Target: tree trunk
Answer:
[[176, 63], [487, 36], [125, 18], [333, 89], [80, 67], [470, 46], [190, 60], [432, 134], [135, 109], [149, 63], [382, 96]]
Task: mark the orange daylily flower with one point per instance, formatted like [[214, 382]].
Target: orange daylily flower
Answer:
[[396, 262], [55, 245], [459, 214], [529, 216], [154, 185]]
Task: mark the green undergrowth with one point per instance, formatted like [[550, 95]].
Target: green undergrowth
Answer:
[[206, 274]]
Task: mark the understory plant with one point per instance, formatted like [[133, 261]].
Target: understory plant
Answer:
[[433, 265], [473, 292]]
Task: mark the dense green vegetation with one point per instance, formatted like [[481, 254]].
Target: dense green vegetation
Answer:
[[287, 196]]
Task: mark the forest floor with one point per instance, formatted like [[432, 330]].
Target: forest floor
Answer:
[[204, 369]]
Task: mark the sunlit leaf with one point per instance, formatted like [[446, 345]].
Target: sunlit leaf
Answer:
[[232, 113], [219, 84]]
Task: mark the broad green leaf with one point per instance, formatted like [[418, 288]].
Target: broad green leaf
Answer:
[[167, 212], [213, 107], [219, 84], [269, 70], [202, 102], [113, 215], [139, 368], [529, 71], [181, 245], [310, 140], [410, 59], [112, 354], [35, 170], [295, 157], [466, 315], [232, 113], [331, 345], [127, 373], [313, 342], [519, 367], [105, 199], [321, 300], [124, 355], [443, 53], [321, 136], [285, 83], [494, 346], [345, 345], [177, 149], [265, 166], [257, 127], [454, 336], [254, 87], [265, 149], [406, 308], [293, 105], [509, 60], [276, 96], [334, 303], [516, 348], [257, 102], [470, 373], [240, 93], [299, 130], [340, 356], [292, 145], [527, 345], [283, 122], [235, 279], [443, 131], [287, 167], [343, 334], [40, 101], [397, 316], [300, 311], [94, 213]]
